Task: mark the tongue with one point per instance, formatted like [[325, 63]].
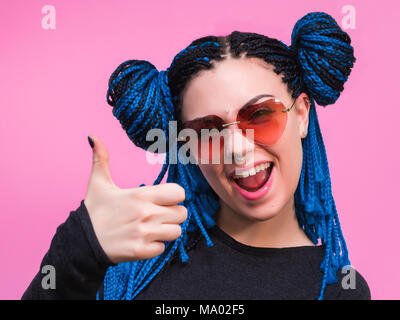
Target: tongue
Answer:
[[252, 183]]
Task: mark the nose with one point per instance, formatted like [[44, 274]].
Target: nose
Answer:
[[238, 145]]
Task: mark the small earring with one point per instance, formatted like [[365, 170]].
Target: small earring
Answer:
[[304, 133]]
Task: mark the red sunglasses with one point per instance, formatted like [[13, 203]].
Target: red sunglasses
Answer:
[[266, 119]]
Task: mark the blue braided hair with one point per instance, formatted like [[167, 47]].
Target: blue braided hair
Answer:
[[317, 62]]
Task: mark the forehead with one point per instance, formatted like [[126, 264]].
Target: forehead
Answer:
[[229, 85]]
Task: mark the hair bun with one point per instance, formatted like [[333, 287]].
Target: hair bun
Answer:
[[325, 55], [141, 99]]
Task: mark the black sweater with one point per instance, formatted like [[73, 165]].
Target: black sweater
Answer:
[[228, 270]]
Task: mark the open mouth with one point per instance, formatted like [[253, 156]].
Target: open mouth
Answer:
[[255, 178]]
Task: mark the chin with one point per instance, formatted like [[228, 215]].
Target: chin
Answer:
[[260, 211], [259, 215]]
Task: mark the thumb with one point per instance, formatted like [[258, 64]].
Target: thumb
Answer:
[[101, 162]]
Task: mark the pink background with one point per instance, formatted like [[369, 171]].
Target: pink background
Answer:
[[54, 83]]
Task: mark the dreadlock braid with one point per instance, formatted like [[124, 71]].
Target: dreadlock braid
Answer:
[[318, 62], [325, 55]]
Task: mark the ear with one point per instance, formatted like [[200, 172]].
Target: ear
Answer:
[[302, 112]]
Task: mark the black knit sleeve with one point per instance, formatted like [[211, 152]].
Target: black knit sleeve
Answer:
[[77, 259]]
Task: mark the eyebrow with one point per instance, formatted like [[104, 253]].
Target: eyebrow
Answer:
[[248, 103], [256, 98]]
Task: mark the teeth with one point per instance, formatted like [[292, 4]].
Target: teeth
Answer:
[[252, 171]]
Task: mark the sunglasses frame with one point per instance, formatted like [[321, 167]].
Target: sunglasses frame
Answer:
[[238, 121], [286, 110]]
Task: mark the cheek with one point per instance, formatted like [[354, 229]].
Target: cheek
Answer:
[[290, 155], [212, 173]]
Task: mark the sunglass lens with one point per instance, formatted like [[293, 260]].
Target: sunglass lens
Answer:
[[266, 119]]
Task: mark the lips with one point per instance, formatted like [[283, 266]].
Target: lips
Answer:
[[255, 181], [241, 169], [256, 187]]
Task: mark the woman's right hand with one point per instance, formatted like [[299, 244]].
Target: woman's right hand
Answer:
[[130, 224]]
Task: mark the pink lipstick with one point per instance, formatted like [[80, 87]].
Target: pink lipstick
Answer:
[[261, 192]]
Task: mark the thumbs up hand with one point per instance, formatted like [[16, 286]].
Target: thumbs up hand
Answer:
[[130, 224]]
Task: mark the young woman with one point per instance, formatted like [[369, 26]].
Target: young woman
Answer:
[[263, 226]]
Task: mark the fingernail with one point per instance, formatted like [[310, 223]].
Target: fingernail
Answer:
[[91, 142]]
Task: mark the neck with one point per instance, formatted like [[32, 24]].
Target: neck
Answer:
[[281, 230]]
